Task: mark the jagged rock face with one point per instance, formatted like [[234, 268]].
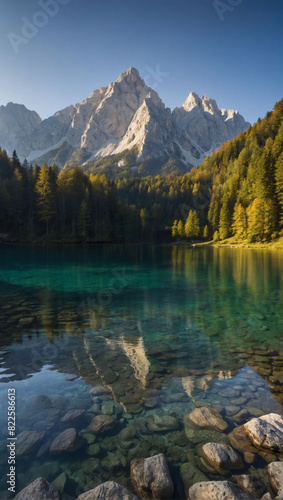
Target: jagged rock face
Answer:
[[16, 121], [201, 127], [126, 115]]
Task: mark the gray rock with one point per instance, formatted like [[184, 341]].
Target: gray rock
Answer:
[[39, 489], [101, 423], [266, 431], [28, 441], [160, 424], [275, 473], [251, 485], [108, 491], [151, 477], [222, 457], [67, 442], [206, 418], [72, 416], [216, 490]]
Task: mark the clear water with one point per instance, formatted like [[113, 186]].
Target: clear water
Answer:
[[158, 329]]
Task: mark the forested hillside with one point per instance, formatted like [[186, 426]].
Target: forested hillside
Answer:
[[237, 192]]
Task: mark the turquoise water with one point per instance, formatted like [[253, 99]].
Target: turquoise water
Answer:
[[135, 332]]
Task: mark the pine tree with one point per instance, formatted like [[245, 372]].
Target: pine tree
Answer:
[[224, 221], [180, 229], [175, 229], [270, 220], [279, 184], [192, 227], [240, 222], [46, 197], [206, 232], [84, 220], [255, 213]]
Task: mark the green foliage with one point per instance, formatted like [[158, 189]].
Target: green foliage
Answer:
[[192, 227], [237, 190]]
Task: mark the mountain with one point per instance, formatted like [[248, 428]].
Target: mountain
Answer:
[[16, 123], [125, 117]]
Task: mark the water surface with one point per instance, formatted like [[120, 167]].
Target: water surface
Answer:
[[135, 332]]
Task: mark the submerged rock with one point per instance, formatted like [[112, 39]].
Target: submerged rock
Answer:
[[66, 442], [251, 485], [28, 441], [266, 431], [101, 423], [151, 477], [206, 418], [108, 491], [190, 475], [222, 457], [240, 441], [275, 473], [72, 416], [39, 489], [164, 423], [216, 490]]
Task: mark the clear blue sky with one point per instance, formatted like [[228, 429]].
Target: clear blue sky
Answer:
[[88, 43]]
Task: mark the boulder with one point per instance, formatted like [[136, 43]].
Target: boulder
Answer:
[[101, 423], [240, 441], [28, 441], [251, 485], [266, 431], [222, 457], [151, 477], [72, 416], [160, 424], [216, 490], [67, 442], [108, 491], [275, 473], [206, 418], [39, 489]]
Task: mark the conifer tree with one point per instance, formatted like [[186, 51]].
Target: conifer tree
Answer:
[[175, 229], [46, 196], [240, 222], [279, 184], [224, 221], [206, 232], [180, 229], [255, 213], [192, 227]]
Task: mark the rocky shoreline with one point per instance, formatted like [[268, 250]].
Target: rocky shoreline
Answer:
[[151, 477]]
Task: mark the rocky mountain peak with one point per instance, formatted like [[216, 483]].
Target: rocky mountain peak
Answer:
[[192, 101], [127, 115]]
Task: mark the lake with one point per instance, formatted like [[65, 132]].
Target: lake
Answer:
[[141, 334]]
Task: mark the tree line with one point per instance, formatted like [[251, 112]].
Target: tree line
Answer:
[[237, 192]]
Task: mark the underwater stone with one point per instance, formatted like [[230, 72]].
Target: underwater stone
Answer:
[[108, 491], [151, 477], [39, 489], [101, 423], [251, 485], [214, 490], [275, 473], [222, 457], [67, 442], [163, 423], [206, 418], [28, 441]]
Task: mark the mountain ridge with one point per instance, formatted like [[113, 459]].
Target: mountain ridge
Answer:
[[126, 115]]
